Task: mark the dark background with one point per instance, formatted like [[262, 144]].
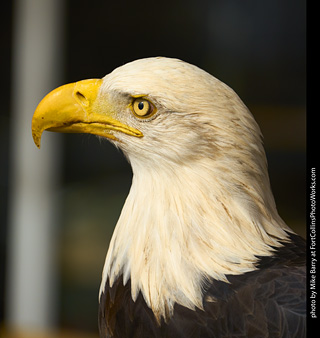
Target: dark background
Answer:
[[256, 47]]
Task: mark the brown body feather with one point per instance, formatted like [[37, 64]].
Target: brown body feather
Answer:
[[267, 302]]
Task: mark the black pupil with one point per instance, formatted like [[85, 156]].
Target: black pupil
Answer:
[[141, 105]]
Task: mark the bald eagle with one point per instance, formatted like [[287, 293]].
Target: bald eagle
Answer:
[[199, 249]]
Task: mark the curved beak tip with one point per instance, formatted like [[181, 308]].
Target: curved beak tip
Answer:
[[36, 128], [36, 139]]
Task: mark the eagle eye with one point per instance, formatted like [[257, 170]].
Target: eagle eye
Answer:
[[142, 107]]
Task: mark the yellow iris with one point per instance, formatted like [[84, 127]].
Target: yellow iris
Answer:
[[142, 107]]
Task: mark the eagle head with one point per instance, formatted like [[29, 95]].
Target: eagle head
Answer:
[[200, 205]]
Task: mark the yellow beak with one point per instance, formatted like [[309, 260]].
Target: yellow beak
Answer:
[[76, 108]]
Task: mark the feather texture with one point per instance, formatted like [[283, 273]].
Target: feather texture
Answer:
[[197, 248], [267, 302]]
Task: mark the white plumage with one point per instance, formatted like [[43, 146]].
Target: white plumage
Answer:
[[199, 235], [200, 174]]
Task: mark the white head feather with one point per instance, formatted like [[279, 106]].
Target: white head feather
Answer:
[[200, 204]]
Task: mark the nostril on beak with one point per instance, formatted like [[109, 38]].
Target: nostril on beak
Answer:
[[85, 92], [81, 97]]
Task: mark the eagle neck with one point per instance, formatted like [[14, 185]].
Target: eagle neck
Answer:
[[181, 228]]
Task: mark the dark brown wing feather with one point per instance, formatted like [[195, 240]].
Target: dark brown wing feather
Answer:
[[268, 302]]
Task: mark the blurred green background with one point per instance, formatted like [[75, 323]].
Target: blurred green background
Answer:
[[256, 47]]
